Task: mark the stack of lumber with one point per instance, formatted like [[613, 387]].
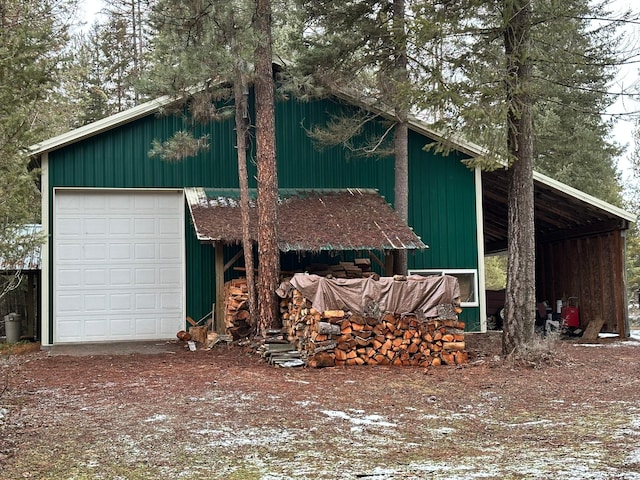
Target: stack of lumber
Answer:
[[359, 268], [277, 351], [335, 337], [236, 308]]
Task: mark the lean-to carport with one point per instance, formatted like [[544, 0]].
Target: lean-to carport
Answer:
[[580, 246]]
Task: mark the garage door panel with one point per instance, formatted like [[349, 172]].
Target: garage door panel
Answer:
[[120, 302], [120, 226], [68, 252], [145, 226], [96, 328], [95, 276], [70, 226], [95, 251], [96, 302], [166, 227], [120, 276], [72, 330], [169, 276]]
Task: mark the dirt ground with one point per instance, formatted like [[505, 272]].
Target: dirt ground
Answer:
[[225, 414]]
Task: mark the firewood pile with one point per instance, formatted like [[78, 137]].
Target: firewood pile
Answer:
[[335, 337], [236, 304], [236, 308]]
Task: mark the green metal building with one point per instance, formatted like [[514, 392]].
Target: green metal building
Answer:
[[122, 260]]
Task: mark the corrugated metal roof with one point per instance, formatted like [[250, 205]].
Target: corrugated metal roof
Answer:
[[308, 220], [32, 259]]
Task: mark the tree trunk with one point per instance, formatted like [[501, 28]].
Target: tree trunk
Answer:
[[239, 92], [401, 188], [520, 292], [268, 252], [401, 138]]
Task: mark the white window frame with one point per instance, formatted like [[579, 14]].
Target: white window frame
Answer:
[[454, 272]]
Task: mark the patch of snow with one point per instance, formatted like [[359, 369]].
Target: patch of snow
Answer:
[[526, 424], [376, 420], [295, 380], [157, 418], [254, 437]]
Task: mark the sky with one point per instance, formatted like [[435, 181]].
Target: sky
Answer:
[[89, 9], [628, 76]]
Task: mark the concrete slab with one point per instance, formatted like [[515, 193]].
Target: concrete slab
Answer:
[[116, 348]]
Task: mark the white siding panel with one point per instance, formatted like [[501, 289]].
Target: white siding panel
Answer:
[[118, 265]]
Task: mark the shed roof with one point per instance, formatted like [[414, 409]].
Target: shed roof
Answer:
[[308, 220]]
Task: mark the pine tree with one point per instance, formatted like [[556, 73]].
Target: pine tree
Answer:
[[500, 64], [31, 42], [213, 45], [268, 251], [371, 65]]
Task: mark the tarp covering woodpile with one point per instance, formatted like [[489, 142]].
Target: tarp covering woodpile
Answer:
[[308, 220], [415, 294]]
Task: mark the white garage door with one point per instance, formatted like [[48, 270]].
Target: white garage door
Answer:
[[118, 265]]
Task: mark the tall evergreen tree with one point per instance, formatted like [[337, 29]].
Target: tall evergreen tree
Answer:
[[213, 45], [501, 63], [123, 40], [32, 37], [361, 48], [268, 251]]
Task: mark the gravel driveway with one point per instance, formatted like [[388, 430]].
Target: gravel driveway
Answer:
[[224, 414]]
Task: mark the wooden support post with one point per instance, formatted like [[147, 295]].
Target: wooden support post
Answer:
[[388, 263], [219, 276]]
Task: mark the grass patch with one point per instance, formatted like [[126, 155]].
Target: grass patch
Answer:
[[20, 348]]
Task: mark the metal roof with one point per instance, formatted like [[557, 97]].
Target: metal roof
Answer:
[[308, 220], [32, 259]]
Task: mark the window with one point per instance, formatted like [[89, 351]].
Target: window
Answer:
[[467, 278]]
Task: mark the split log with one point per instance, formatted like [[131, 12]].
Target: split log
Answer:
[[328, 328], [453, 346], [592, 331], [199, 334]]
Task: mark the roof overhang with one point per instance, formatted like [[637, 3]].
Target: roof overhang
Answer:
[[99, 126], [308, 220]]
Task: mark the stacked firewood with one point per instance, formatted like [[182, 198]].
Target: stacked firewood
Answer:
[[236, 308], [335, 337]]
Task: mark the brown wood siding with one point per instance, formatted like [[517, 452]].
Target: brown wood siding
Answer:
[[590, 269]]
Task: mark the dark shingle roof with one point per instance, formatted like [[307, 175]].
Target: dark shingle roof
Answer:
[[308, 220]]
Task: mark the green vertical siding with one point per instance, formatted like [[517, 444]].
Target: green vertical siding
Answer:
[[442, 190], [200, 276]]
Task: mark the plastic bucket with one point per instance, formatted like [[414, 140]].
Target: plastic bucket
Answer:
[[12, 327]]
